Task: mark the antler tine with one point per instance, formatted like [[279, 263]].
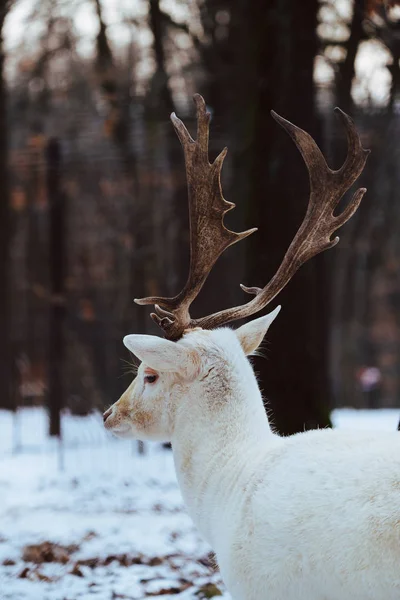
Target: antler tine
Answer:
[[356, 155], [208, 235], [203, 124], [314, 235]]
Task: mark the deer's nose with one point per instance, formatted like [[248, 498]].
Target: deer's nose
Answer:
[[107, 414]]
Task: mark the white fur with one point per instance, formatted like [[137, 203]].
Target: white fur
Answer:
[[314, 516]]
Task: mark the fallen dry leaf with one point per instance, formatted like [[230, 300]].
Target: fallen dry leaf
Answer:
[[48, 552]]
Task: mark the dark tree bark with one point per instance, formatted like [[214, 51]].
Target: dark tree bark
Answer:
[[118, 99], [57, 285], [277, 46], [6, 359], [344, 302], [159, 104], [117, 92], [347, 68], [160, 94]]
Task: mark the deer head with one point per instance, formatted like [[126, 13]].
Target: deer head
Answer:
[[195, 352], [198, 370]]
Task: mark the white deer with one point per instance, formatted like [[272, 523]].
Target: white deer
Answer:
[[314, 516]]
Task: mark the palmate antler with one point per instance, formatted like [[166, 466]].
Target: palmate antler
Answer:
[[209, 236]]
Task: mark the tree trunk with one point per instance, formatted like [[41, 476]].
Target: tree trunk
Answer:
[[6, 359], [57, 281], [347, 68], [160, 90], [277, 48]]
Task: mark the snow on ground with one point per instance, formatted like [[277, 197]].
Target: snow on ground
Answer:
[[116, 517], [93, 519], [385, 419]]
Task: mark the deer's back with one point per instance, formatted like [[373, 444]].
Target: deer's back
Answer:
[[320, 520]]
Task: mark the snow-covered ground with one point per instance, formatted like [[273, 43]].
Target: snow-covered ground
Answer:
[[96, 520]]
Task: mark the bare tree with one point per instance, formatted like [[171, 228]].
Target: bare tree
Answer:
[[56, 391], [6, 353], [276, 48]]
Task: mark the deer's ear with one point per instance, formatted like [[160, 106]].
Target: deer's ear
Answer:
[[158, 353], [252, 334]]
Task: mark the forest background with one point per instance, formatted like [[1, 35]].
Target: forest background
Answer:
[[93, 203]]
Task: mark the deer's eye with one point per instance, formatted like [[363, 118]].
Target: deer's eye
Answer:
[[150, 378]]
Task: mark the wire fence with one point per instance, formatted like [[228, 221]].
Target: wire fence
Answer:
[[86, 446], [26, 431]]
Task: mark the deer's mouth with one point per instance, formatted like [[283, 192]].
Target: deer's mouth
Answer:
[[123, 430], [107, 414], [111, 423]]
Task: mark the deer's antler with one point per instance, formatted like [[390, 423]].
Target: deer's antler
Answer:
[[209, 237]]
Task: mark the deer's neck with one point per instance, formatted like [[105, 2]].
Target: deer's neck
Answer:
[[219, 437]]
